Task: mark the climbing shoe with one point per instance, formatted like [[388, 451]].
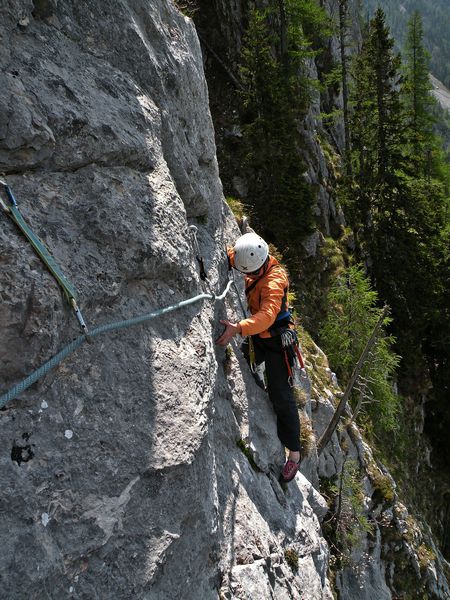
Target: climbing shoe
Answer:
[[289, 471]]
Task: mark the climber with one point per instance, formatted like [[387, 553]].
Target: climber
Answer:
[[266, 289]]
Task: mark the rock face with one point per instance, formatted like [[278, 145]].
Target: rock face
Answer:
[[441, 93], [145, 466], [121, 477]]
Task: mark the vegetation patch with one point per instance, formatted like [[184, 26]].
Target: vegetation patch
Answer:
[[334, 160], [237, 207], [291, 557], [227, 364], [426, 556], [347, 525], [308, 344], [382, 485], [187, 7], [353, 313], [245, 449], [300, 397]]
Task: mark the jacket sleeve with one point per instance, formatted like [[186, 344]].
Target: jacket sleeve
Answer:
[[272, 294]]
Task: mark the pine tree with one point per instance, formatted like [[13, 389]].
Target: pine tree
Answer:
[[276, 98], [343, 26], [376, 133], [352, 315], [376, 98], [417, 96], [397, 213]]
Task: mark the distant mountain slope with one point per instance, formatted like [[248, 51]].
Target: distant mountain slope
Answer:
[[441, 92], [436, 25]]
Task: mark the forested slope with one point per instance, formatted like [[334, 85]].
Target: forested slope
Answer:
[[436, 25]]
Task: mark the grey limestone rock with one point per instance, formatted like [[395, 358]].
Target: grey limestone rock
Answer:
[[121, 476]]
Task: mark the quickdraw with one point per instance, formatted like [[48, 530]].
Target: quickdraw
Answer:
[[292, 354], [193, 231]]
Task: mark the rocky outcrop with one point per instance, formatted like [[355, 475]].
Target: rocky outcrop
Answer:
[[121, 474], [379, 549], [440, 92]]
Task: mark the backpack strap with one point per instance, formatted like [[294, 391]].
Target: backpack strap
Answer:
[[254, 283]]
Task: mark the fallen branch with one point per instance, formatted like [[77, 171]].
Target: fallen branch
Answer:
[[234, 80], [326, 436]]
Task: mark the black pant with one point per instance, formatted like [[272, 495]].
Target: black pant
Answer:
[[270, 351]]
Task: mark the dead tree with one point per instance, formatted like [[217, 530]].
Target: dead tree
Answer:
[[326, 436]]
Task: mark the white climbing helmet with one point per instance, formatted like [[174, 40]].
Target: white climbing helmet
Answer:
[[250, 253]]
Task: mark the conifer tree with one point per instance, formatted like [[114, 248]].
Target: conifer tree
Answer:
[[376, 131], [343, 26], [397, 213], [353, 313], [275, 100], [417, 96]]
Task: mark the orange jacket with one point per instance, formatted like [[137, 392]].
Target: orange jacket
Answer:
[[266, 300]]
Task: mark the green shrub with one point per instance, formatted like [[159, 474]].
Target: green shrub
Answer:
[[244, 448], [351, 318], [426, 556], [353, 524], [187, 7], [237, 207], [291, 557], [382, 484], [348, 525], [307, 437]]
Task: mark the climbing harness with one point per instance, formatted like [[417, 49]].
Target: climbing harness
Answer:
[[193, 232], [70, 348], [12, 210], [292, 356], [297, 375]]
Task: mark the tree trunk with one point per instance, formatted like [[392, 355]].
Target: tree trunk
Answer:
[[283, 32], [343, 5], [326, 436]]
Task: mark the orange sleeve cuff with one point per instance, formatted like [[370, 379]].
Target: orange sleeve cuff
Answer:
[[253, 326], [244, 328]]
